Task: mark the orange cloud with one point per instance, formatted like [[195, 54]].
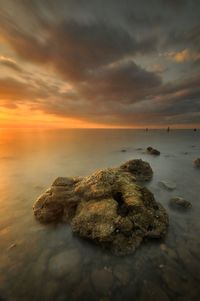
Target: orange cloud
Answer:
[[184, 56]]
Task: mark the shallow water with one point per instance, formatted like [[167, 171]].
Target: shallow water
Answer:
[[35, 259]]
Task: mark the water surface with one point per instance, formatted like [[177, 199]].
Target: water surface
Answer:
[[162, 270]]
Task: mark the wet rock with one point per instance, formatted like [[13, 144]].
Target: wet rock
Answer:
[[48, 209], [189, 261], [58, 201], [168, 251], [121, 272], [84, 291], [153, 292], [153, 151], [40, 264], [179, 281], [139, 168], [179, 202], [65, 263], [173, 279], [107, 207], [102, 280], [116, 212], [197, 162], [169, 185]]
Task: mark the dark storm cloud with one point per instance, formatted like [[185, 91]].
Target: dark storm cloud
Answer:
[[76, 49], [100, 49]]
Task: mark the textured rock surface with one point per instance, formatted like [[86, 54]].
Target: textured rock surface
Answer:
[[107, 207], [139, 168]]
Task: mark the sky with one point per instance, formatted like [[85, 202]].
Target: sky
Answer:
[[100, 63]]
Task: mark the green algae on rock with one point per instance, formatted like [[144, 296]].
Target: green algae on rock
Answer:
[[107, 207]]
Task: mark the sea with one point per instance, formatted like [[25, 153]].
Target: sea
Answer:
[[47, 262]]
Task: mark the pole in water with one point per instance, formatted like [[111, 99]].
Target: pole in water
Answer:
[[168, 129]]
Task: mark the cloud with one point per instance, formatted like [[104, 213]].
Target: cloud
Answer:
[[184, 55], [10, 63], [100, 55]]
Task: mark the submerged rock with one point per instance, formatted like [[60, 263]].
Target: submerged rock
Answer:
[[179, 202], [153, 292], [65, 263], [107, 207], [169, 185], [153, 151], [197, 162], [102, 280]]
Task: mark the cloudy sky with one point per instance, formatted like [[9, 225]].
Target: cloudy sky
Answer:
[[100, 63]]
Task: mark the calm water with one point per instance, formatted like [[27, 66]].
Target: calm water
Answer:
[[36, 260]]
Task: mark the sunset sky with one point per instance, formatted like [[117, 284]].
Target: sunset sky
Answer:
[[100, 63]]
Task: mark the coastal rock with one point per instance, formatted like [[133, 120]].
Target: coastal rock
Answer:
[[107, 207], [169, 185], [139, 168], [179, 202], [197, 162], [58, 201], [153, 151]]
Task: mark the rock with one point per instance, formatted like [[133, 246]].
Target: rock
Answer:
[[123, 150], [48, 209], [168, 251], [153, 151], [173, 279], [57, 201], [169, 185], [66, 263], [107, 207], [84, 290], [153, 292], [139, 168], [102, 280], [179, 202], [197, 162], [121, 272], [116, 212], [40, 264], [180, 282]]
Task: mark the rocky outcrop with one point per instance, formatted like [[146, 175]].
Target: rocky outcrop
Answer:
[[139, 168], [153, 151], [197, 162], [107, 207]]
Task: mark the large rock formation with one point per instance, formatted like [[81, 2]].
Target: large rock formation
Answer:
[[107, 207]]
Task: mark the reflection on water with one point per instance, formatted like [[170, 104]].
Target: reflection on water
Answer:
[[40, 262]]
